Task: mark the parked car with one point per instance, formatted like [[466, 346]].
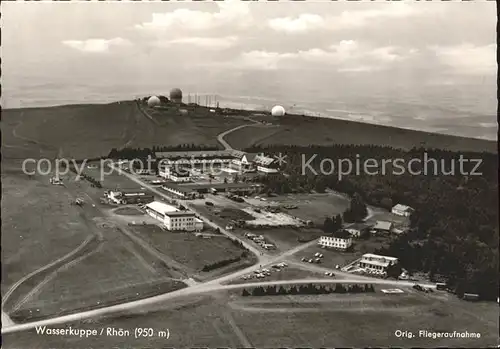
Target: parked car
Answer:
[[209, 203], [304, 259], [418, 287]]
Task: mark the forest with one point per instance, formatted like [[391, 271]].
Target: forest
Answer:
[[454, 230]]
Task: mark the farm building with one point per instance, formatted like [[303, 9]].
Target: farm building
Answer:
[[376, 262], [382, 227], [173, 218], [358, 230], [340, 240], [402, 210], [129, 197]]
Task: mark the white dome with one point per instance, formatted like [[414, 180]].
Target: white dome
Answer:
[[278, 110], [153, 101]]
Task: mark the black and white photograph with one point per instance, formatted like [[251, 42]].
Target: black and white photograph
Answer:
[[249, 174]]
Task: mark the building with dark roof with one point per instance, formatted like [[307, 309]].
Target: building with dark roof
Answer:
[[358, 229]]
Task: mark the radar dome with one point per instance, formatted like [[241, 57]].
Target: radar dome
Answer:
[[153, 101], [176, 95], [278, 110]]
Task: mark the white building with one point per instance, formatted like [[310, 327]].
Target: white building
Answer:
[[265, 164], [172, 174], [340, 240], [250, 162], [402, 210], [245, 163], [173, 218], [374, 262]]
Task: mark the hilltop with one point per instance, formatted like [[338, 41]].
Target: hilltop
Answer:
[[92, 130], [305, 130]]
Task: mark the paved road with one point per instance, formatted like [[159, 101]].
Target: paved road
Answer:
[[190, 291], [220, 137]]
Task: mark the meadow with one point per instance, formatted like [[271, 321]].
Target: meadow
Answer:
[[92, 130], [304, 131], [39, 224], [189, 250]]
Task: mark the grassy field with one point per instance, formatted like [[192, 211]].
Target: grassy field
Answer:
[[39, 225], [362, 320], [87, 131], [186, 248], [349, 320], [106, 272], [129, 274], [304, 131], [129, 211], [193, 322], [332, 258]]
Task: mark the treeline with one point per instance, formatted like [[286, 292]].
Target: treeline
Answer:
[[309, 289], [93, 182], [357, 210], [143, 153], [454, 229], [223, 262]]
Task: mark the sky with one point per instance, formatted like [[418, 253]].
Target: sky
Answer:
[[414, 52]]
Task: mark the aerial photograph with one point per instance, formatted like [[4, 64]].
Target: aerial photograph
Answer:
[[249, 174]]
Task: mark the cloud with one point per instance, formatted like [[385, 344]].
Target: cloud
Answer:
[[206, 43], [261, 59], [358, 69], [230, 12], [468, 58], [346, 55], [347, 19], [361, 18], [387, 54], [95, 45], [302, 23]]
